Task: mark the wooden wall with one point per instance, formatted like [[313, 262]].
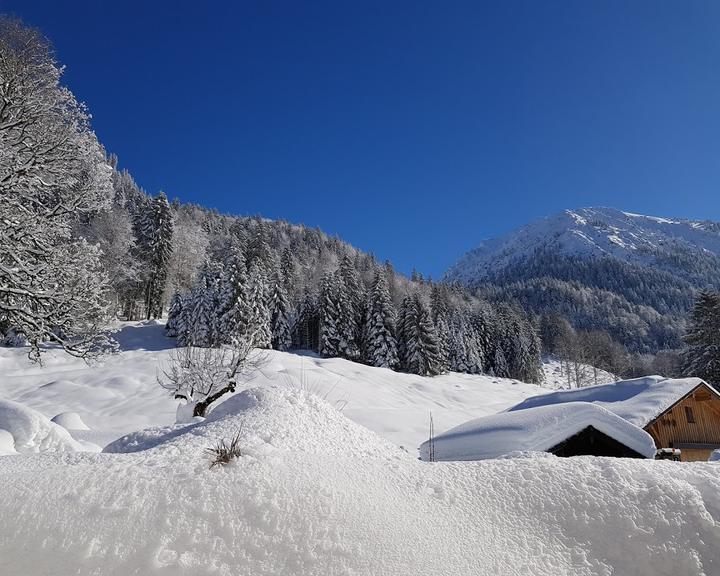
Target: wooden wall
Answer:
[[695, 439]]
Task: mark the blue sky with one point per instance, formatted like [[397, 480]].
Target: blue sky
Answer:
[[411, 129]]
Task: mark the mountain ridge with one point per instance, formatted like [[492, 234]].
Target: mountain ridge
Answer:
[[632, 275]]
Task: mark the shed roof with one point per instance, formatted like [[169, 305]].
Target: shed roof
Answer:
[[535, 429], [639, 401]]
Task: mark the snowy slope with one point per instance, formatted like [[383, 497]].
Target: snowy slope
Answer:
[[121, 394], [591, 232], [316, 494]]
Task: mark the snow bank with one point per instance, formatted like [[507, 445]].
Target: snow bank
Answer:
[[7, 443], [70, 421], [638, 401], [534, 430], [316, 494], [32, 431]]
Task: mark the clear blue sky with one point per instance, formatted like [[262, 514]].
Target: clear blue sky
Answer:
[[411, 129]]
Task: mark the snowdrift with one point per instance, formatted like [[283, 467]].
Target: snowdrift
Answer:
[[534, 430], [316, 494], [31, 431]]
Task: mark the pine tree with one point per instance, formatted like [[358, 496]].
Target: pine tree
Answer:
[[306, 331], [175, 316], [379, 344], [279, 316], [258, 305], [701, 358], [157, 246], [330, 339], [234, 312], [354, 292], [420, 350], [202, 307]]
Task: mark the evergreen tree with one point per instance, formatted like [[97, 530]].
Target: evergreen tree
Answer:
[[306, 331], [701, 358], [329, 310], [379, 344], [420, 350], [157, 246], [354, 293], [234, 313], [202, 324], [258, 304], [279, 316], [175, 316]]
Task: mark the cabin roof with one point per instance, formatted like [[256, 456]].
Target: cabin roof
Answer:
[[639, 401], [534, 430]]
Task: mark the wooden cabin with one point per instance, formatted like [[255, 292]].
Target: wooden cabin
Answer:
[[680, 413], [691, 424]]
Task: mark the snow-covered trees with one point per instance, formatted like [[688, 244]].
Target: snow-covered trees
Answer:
[[379, 344], [701, 358], [279, 316], [157, 238], [419, 349], [52, 173]]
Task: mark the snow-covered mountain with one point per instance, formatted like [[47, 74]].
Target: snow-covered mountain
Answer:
[[596, 233], [632, 275]]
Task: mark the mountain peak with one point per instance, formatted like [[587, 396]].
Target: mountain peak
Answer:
[[590, 232]]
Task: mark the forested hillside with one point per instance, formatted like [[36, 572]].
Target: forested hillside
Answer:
[[633, 277], [83, 244]]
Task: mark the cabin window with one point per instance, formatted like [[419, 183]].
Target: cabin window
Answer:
[[689, 415]]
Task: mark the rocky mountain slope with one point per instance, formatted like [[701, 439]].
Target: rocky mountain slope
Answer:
[[632, 275]]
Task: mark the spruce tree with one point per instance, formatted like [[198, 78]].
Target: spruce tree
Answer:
[[420, 349], [279, 316], [258, 305], [234, 313], [701, 358], [158, 236], [175, 315], [379, 344], [329, 310]]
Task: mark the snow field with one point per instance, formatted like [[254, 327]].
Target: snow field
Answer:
[[315, 493], [121, 394]]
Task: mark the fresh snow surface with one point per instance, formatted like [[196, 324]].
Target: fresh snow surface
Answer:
[[316, 494], [639, 401], [31, 431], [534, 430], [121, 394], [70, 421]]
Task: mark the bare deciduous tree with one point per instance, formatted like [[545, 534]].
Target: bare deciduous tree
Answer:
[[201, 376]]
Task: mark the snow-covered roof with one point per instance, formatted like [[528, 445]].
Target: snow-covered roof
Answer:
[[535, 429], [639, 401]]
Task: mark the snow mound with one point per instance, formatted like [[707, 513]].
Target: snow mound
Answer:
[[267, 419], [316, 494], [7, 443], [534, 430], [639, 401], [32, 431], [70, 421]]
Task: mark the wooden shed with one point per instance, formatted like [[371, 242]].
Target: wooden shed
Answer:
[[679, 413], [691, 424]]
